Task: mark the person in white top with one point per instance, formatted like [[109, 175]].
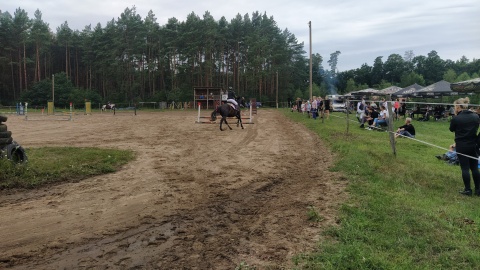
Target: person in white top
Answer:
[[382, 118], [361, 109], [314, 107]]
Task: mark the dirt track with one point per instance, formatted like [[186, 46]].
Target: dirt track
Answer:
[[194, 198]]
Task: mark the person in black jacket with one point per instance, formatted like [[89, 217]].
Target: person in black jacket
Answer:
[[407, 130], [465, 125], [232, 98]]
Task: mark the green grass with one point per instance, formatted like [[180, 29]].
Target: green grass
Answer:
[[404, 211], [48, 165]]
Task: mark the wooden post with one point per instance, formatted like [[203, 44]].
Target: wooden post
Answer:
[[323, 112], [390, 128], [347, 105]]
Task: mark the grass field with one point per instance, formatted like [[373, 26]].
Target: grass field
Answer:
[[60, 164], [404, 211]]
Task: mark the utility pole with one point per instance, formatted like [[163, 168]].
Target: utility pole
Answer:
[[277, 90], [310, 56], [238, 66], [53, 89]]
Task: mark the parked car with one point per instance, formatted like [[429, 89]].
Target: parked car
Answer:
[[337, 103], [259, 104]]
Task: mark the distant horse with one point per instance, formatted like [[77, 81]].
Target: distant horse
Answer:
[[228, 110], [108, 106]]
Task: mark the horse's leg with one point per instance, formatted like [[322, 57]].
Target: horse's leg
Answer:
[[213, 116], [239, 120], [225, 119], [221, 122]]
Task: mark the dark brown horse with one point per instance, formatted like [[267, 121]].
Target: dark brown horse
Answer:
[[228, 110]]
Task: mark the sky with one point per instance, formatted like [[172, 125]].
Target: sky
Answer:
[[361, 30]]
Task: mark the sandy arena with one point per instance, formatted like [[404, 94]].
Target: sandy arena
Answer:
[[195, 197]]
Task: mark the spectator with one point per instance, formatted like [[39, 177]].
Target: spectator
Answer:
[[406, 130], [384, 103], [451, 111], [416, 111], [361, 110], [308, 108], [396, 108], [403, 108], [465, 125], [326, 109], [320, 107], [294, 108], [450, 156], [365, 117], [299, 104], [439, 112], [428, 112], [373, 114], [381, 120]]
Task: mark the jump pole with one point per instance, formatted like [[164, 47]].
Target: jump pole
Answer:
[[250, 119], [198, 117], [70, 114]]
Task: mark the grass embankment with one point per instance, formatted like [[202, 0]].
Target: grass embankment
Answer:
[[60, 164], [404, 212]]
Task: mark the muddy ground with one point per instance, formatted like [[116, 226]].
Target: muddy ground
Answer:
[[194, 197]]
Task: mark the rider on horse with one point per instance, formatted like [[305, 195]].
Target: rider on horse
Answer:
[[232, 98]]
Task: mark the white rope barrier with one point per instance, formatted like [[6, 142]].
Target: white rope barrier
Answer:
[[414, 139]]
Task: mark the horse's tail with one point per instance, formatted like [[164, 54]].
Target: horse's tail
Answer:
[[213, 117]]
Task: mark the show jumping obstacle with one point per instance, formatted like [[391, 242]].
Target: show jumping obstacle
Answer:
[[199, 117], [51, 115]]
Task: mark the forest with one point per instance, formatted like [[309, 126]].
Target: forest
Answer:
[[133, 59]]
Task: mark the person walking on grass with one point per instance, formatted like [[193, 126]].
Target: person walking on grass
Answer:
[[326, 108], [465, 125]]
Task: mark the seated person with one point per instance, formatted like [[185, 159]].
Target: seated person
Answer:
[[426, 115], [365, 116], [416, 110], [381, 120], [439, 112], [406, 130], [450, 156], [373, 114], [361, 110], [451, 110]]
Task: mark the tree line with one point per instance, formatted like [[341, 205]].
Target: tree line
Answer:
[[133, 59]]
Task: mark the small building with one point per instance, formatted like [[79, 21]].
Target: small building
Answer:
[[208, 97]]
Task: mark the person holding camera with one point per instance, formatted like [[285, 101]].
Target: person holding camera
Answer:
[[465, 125]]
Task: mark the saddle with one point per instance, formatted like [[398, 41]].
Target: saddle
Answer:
[[233, 106]]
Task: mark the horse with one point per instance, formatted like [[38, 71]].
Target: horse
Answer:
[[108, 106], [228, 110]]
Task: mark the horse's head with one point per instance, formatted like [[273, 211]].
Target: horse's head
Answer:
[[241, 102], [213, 117]]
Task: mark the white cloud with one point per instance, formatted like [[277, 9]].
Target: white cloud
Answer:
[[360, 29]]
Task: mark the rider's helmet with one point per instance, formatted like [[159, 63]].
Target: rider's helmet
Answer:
[[231, 93]]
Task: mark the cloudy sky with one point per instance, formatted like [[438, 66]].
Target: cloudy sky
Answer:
[[360, 29]]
